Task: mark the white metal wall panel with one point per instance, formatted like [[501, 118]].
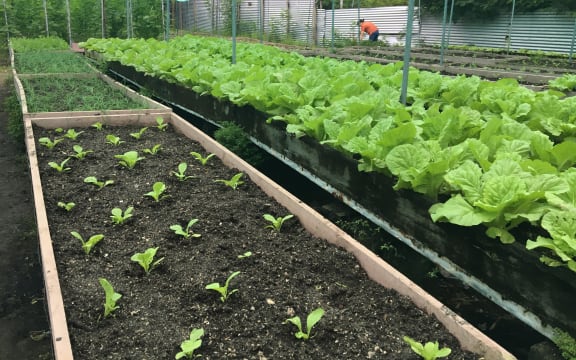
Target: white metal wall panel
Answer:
[[534, 31]]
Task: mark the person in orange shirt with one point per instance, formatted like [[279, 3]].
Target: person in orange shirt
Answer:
[[369, 28]]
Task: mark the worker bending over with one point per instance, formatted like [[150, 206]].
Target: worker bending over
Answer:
[[369, 28]]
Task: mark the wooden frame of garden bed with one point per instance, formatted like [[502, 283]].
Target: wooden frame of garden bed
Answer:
[[377, 269]]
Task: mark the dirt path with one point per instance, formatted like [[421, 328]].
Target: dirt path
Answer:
[[21, 287]]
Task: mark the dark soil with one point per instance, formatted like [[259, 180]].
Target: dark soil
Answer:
[[24, 329], [290, 272]]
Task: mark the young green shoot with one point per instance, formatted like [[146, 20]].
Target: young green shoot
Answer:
[[200, 158], [161, 125], [311, 320], [113, 140], [181, 173], [190, 345], [49, 143], [79, 152], [60, 167], [98, 126], [72, 134], [234, 182], [276, 223], [153, 150], [66, 206], [223, 290], [111, 297], [146, 259], [100, 184], [120, 217], [245, 255], [129, 159], [429, 351], [89, 244], [158, 190], [138, 135], [185, 232]]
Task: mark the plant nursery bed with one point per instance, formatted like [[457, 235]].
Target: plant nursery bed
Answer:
[[282, 273], [509, 275]]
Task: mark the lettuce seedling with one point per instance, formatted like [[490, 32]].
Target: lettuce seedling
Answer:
[[138, 135], [223, 290], [245, 255], [181, 173], [129, 159], [200, 158], [49, 143], [111, 297], [146, 259], [161, 125], [95, 181], [119, 217], [234, 182], [72, 134], [190, 345], [60, 167], [429, 351], [79, 152], [157, 192], [98, 126], [276, 223], [185, 232], [153, 150], [89, 244], [66, 206], [311, 320], [113, 139]]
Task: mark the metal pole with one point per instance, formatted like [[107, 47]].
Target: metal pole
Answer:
[[357, 23], [332, 38], [450, 24], [6, 21], [103, 18], [509, 36], [167, 24], [46, 18], [69, 25], [443, 32], [233, 31], [407, 48], [573, 41], [261, 19]]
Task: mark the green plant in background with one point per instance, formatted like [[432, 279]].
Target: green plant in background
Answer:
[[12, 106], [181, 173], [161, 124], [153, 150], [311, 320], [566, 344], [138, 135], [158, 190], [276, 223], [66, 206], [113, 140], [129, 159], [191, 344], [49, 143], [79, 152], [60, 167], [94, 181], [566, 82], [111, 297], [185, 232], [146, 259], [200, 158], [120, 217], [98, 126], [234, 182], [429, 351], [89, 244], [72, 134], [223, 290], [236, 140]]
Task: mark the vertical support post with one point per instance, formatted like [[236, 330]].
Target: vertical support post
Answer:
[[573, 41], [68, 20], [450, 24], [357, 23], [332, 37], [103, 18], [443, 32], [407, 48], [261, 20], [167, 21], [509, 36], [6, 21], [46, 17], [233, 31]]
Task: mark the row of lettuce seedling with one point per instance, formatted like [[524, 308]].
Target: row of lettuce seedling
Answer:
[[497, 153]]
